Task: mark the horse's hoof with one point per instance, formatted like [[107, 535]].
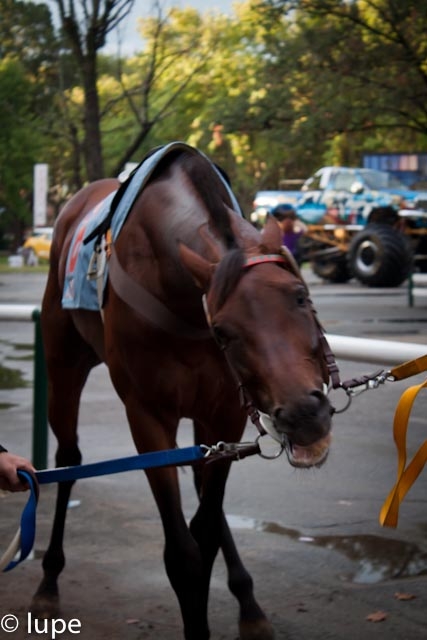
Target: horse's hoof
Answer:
[[45, 607], [256, 630]]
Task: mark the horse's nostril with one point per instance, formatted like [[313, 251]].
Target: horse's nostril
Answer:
[[307, 408], [317, 395], [279, 414], [316, 401]]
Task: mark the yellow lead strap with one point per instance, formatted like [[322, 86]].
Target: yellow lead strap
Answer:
[[411, 368], [405, 477]]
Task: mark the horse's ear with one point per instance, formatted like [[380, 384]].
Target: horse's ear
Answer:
[[211, 246], [199, 268], [271, 236]]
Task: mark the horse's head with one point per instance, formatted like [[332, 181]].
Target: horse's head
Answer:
[[261, 316]]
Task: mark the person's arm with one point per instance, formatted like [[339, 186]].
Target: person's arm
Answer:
[[9, 465]]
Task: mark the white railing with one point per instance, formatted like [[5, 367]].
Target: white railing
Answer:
[[374, 351], [18, 312]]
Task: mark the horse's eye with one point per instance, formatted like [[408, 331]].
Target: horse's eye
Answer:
[[220, 336], [301, 297]]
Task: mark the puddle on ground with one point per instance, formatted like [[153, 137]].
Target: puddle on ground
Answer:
[[377, 558]]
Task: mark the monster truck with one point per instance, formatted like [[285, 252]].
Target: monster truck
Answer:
[[361, 223]]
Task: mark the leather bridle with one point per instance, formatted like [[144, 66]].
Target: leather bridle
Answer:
[[262, 421]]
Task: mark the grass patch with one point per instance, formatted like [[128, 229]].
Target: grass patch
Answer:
[[11, 378], [42, 267], [22, 346]]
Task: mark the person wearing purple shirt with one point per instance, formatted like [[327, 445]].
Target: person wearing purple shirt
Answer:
[[292, 228]]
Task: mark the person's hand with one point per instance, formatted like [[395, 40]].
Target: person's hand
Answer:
[[9, 465]]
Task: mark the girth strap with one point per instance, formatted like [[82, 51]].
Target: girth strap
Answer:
[[148, 306]]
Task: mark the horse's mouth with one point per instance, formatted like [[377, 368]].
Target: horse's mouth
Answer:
[[312, 455], [301, 456]]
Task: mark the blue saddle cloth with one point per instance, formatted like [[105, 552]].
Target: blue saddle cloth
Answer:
[[80, 291]]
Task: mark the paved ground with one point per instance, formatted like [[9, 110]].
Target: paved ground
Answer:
[[320, 561]]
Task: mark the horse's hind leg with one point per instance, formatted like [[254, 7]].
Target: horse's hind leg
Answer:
[[68, 367], [253, 623]]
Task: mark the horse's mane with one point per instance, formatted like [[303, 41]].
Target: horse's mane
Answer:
[[227, 275], [211, 190], [213, 193]]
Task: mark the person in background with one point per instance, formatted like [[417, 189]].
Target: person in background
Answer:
[[292, 228], [9, 465], [220, 151]]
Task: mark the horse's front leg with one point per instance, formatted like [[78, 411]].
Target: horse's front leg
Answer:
[[69, 360], [45, 602], [64, 395], [253, 623], [182, 556]]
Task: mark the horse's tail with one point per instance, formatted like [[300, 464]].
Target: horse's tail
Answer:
[[211, 189]]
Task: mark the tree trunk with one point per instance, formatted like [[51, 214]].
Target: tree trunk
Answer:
[[92, 142]]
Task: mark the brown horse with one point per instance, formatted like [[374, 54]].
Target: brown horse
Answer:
[[182, 239]]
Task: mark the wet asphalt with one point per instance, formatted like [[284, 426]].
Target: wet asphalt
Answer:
[[320, 560]]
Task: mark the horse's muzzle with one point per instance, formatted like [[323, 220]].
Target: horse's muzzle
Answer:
[[313, 455], [305, 425]]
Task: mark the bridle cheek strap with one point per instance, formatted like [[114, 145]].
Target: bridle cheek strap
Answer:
[[285, 257], [244, 397]]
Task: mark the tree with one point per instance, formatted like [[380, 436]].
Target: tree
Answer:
[[20, 145], [85, 26], [27, 34], [376, 52], [158, 84], [123, 105]]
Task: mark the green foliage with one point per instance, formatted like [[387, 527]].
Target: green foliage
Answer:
[[26, 33], [294, 84], [11, 378], [28, 82], [367, 65], [20, 144]]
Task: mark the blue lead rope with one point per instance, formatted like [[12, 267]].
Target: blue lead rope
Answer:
[[27, 532], [165, 458], [28, 521]]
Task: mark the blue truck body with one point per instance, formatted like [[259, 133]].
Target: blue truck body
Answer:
[[361, 223]]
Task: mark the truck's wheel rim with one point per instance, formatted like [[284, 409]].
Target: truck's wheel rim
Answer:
[[367, 258]]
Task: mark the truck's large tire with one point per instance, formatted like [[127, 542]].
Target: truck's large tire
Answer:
[[333, 269], [380, 256]]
